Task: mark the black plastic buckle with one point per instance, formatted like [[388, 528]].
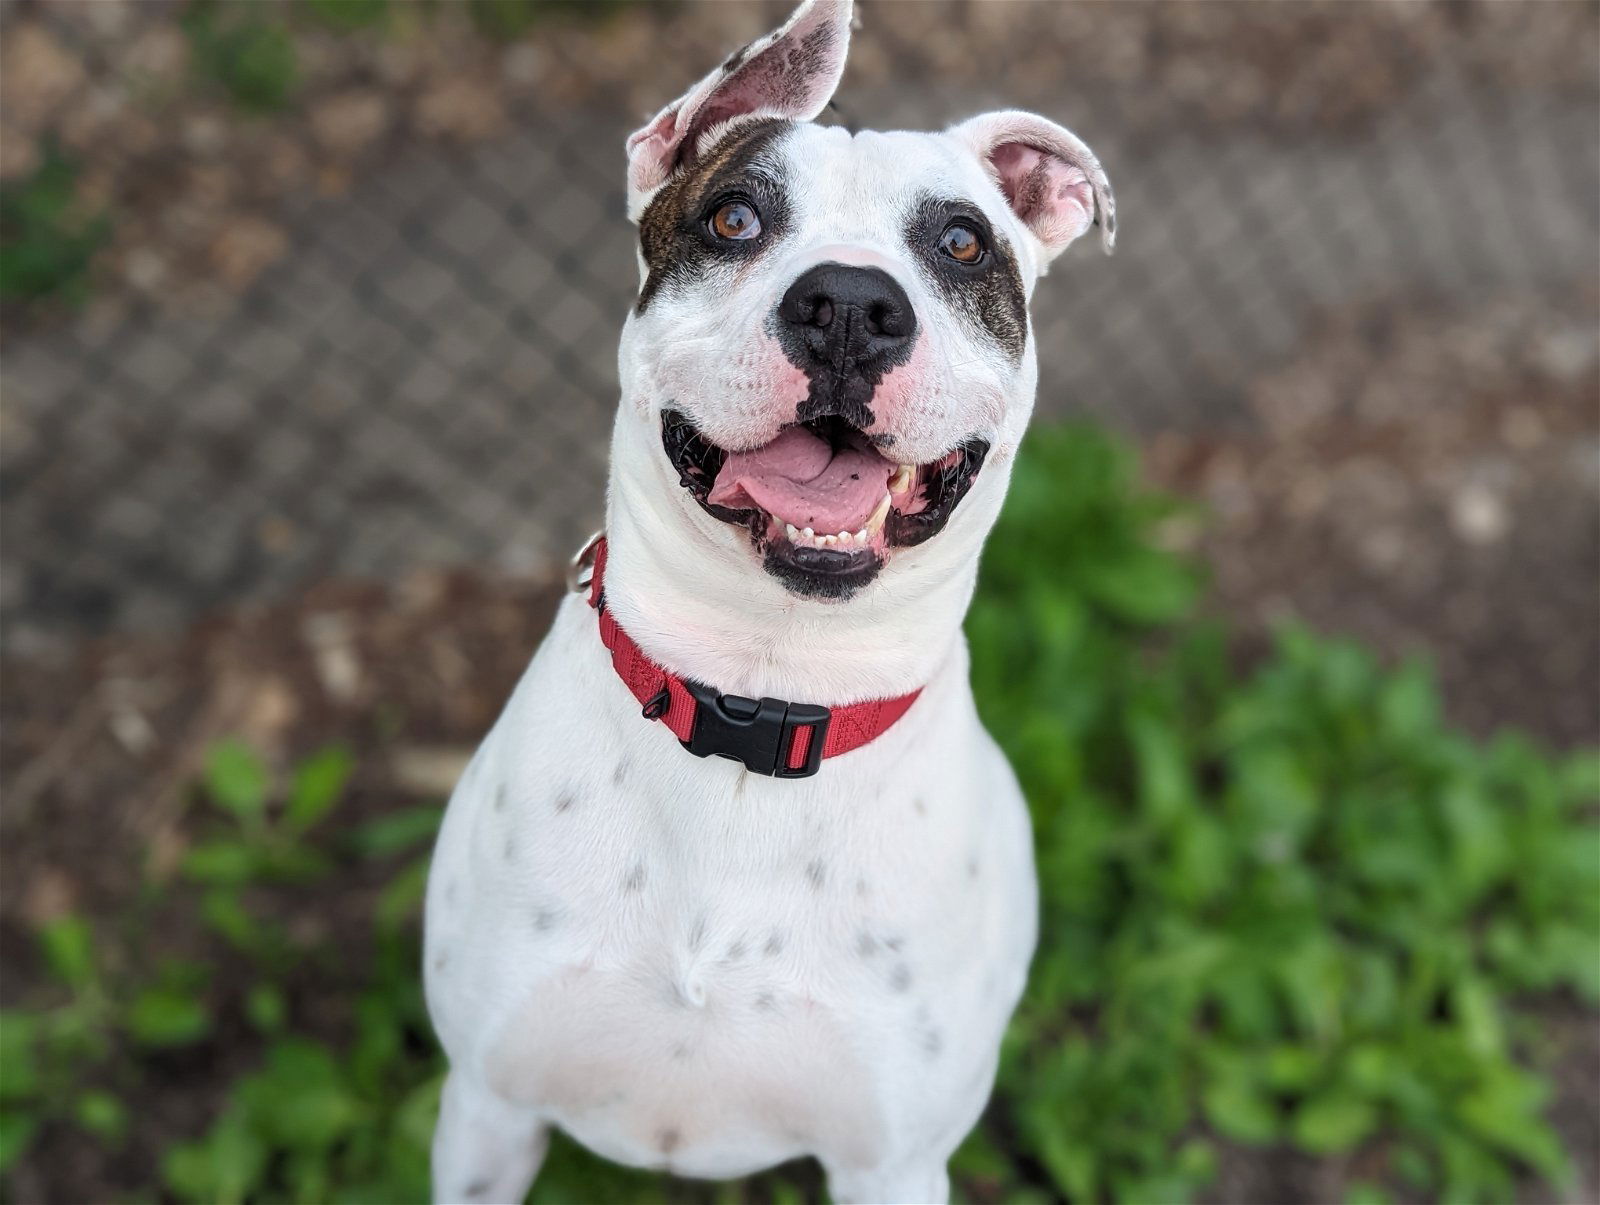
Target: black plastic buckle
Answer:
[[757, 732]]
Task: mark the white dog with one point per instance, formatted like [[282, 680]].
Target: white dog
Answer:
[[709, 966]]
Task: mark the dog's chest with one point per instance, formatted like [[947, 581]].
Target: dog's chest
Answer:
[[719, 980], [722, 1025]]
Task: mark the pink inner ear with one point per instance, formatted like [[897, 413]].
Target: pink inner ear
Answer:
[[789, 73], [1053, 197]]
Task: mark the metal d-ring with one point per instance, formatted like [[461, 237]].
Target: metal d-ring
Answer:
[[583, 559]]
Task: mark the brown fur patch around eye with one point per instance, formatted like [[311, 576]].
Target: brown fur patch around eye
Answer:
[[990, 294], [673, 246]]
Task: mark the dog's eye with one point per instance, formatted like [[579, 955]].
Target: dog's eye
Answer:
[[736, 219], [961, 243]]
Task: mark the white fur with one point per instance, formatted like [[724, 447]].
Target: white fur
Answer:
[[683, 964]]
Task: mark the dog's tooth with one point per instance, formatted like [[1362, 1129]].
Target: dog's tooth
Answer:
[[875, 520], [862, 537], [828, 540], [844, 537], [901, 481], [808, 533], [793, 532]]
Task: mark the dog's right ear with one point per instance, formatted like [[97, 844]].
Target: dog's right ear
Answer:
[[791, 73]]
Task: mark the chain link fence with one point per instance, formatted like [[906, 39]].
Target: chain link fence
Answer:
[[374, 327]]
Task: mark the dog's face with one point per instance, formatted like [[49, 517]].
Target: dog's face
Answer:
[[832, 330]]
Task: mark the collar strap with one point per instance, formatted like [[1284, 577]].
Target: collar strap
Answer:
[[770, 736]]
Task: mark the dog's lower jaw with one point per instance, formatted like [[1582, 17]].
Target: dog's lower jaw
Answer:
[[693, 592]]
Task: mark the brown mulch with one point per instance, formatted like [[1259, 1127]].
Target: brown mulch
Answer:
[[1426, 480], [97, 750], [195, 184]]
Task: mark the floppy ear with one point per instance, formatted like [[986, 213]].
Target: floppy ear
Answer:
[[1050, 178], [792, 73]]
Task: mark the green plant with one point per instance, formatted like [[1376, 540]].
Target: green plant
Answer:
[[252, 59], [75, 1061], [49, 1056], [46, 239], [1284, 906]]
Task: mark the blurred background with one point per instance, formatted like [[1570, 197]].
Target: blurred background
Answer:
[[310, 318]]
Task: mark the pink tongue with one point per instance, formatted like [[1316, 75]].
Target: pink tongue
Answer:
[[802, 480]]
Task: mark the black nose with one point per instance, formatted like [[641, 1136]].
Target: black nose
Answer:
[[848, 316]]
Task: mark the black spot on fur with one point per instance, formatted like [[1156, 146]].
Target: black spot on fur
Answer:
[[920, 807], [440, 960], [477, 1189], [564, 801], [816, 874], [774, 944], [500, 798], [545, 919], [668, 1140], [866, 944], [673, 237], [736, 951], [634, 880], [900, 978], [932, 1043], [697, 935], [620, 774], [764, 1002], [989, 294], [973, 869], [510, 848]]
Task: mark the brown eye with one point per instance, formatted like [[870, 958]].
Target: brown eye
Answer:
[[736, 220], [961, 243]]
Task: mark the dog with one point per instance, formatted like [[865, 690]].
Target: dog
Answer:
[[811, 942]]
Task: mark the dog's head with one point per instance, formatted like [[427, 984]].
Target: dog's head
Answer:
[[831, 349]]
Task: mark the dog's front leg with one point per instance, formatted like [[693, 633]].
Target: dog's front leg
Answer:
[[908, 1182], [485, 1150]]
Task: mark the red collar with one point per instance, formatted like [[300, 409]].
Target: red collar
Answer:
[[785, 740]]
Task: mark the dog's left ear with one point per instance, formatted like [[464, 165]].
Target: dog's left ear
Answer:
[[791, 73], [1051, 180]]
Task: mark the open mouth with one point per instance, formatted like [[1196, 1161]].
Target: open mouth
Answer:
[[821, 503]]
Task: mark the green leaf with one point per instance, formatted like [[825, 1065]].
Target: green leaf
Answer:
[[401, 900], [225, 863], [68, 944], [236, 779], [168, 1016], [397, 831], [102, 1114], [1238, 1110], [17, 1131], [318, 783], [19, 1055], [1334, 1121], [299, 1101], [222, 1169], [47, 241], [266, 1008]]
